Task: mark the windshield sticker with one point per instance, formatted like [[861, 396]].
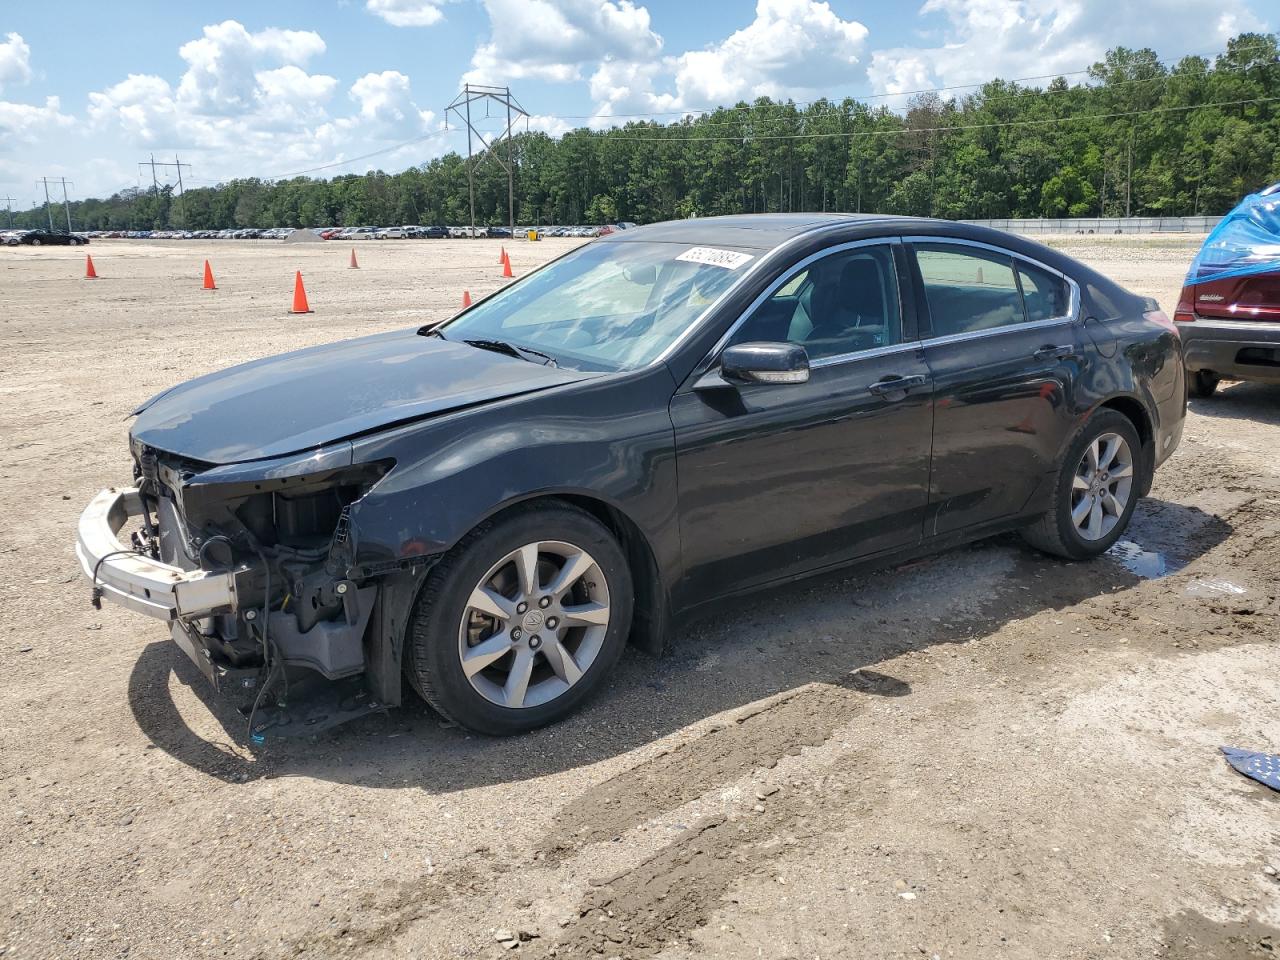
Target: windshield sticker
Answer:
[[712, 256]]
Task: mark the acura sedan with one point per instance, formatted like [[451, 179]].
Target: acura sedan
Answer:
[[673, 415]]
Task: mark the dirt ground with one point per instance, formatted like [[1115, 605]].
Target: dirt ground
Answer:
[[984, 754]]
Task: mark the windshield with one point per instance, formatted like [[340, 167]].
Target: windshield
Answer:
[[605, 306]]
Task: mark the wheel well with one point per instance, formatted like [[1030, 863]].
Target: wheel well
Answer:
[[1137, 415], [651, 618]]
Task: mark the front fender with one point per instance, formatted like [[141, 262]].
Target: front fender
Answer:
[[609, 439]]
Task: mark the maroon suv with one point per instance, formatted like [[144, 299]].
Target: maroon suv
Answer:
[[1229, 310]]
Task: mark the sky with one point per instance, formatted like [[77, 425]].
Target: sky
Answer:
[[278, 87]]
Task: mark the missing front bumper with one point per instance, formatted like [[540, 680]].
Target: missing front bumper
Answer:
[[139, 582]]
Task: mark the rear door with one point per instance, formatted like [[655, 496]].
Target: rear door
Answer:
[[1004, 349], [780, 479]]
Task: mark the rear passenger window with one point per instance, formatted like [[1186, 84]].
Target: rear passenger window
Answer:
[[1044, 294], [968, 289]]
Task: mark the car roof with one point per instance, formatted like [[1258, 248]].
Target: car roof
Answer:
[[757, 231]]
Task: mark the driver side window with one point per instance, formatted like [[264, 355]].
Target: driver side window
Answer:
[[843, 303]]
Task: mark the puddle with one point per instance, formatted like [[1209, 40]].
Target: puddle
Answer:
[[1148, 564], [1214, 587]]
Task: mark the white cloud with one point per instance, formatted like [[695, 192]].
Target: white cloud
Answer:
[[15, 60], [22, 122], [554, 39], [245, 105], [793, 48], [386, 105], [984, 39], [221, 73], [407, 13]]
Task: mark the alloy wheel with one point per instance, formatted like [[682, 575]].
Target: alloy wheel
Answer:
[[534, 624], [1102, 486]]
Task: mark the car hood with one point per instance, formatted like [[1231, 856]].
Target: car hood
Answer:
[[302, 400]]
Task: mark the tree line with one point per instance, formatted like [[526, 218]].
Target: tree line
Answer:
[[1141, 138]]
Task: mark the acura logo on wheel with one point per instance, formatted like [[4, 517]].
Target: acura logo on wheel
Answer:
[[533, 619]]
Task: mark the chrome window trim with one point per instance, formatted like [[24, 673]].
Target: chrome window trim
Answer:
[[708, 361], [992, 331], [840, 358], [1073, 308]]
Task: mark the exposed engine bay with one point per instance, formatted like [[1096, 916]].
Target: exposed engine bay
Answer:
[[301, 604]]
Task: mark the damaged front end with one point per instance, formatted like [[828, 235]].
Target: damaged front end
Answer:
[[253, 566]]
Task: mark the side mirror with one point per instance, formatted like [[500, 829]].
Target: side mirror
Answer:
[[765, 363]]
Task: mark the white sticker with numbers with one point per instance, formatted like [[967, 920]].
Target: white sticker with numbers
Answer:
[[715, 257]]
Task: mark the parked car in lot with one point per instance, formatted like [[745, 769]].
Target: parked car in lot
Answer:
[[1229, 310], [37, 238], [666, 419]]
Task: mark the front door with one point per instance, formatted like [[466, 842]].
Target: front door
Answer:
[[777, 480]]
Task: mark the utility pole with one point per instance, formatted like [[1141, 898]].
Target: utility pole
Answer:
[[182, 193], [155, 184], [1128, 183], [66, 204], [8, 206], [461, 108], [48, 213]]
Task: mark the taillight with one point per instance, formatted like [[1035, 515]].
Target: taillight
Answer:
[[1184, 312], [1157, 316]]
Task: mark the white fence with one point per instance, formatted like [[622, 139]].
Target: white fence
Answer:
[[1104, 225]]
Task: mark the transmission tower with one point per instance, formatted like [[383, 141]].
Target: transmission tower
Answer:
[[155, 183], [461, 108]]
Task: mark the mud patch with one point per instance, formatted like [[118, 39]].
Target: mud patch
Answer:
[[1191, 936]]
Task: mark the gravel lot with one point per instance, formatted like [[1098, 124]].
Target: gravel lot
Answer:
[[983, 754]]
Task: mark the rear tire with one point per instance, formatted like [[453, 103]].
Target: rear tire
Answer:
[[1097, 488], [521, 621], [1202, 383]]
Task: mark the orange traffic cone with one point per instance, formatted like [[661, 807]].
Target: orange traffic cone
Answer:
[[506, 266], [208, 277], [354, 265], [299, 295], [466, 299], [89, 272]]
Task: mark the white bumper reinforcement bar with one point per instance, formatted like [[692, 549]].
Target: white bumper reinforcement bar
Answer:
[[139, 582]]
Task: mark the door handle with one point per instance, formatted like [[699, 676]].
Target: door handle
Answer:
[[1051, 352], [896, 385]]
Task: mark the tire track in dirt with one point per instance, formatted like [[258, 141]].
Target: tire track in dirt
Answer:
[[663, 900], [756, 739]]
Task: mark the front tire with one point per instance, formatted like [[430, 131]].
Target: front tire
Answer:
[[1202, 383], [1096, 490], [520, 622]]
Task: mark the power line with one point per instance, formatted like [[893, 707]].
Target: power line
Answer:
[[1021, 94], [900, 131], [864, 98]]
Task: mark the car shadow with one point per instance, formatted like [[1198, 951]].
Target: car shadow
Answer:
[[1243, 400], [833, 629]]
